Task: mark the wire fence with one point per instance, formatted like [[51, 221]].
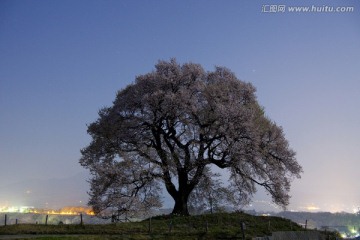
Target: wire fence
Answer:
[[225, 225], [51, 219]]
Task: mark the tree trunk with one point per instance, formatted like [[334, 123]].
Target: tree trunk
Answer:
[[181, 205]]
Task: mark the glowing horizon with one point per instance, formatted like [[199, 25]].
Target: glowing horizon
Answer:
[[70, 210]]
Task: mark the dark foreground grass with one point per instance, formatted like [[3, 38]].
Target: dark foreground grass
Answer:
[[212, 226]]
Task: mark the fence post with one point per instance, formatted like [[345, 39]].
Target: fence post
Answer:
[[189, 224], [243, 227], [170, 225], [81, 219], [5, 219], [149, 224], [306, 224], [16, 221], [46, 219]]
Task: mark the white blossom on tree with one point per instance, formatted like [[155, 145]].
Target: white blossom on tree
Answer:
[[170, 126]]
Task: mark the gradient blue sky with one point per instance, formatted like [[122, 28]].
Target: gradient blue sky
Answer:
[[61, 61]]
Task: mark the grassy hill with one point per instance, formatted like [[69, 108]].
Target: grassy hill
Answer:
[[211, 226]]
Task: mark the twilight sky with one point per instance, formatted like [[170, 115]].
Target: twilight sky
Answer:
[[62, 60]]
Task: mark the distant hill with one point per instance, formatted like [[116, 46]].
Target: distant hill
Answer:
[[49, 193], [323, 219]]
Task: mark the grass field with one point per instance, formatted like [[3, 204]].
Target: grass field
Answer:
[[212, 226]]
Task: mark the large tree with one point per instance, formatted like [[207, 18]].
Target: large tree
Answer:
[[173, 126]]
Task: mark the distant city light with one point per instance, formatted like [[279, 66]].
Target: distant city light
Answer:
[[312, 208], [62, 211], [12, 209]]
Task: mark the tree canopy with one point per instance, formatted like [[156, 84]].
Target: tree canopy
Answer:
[[173, 126]]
